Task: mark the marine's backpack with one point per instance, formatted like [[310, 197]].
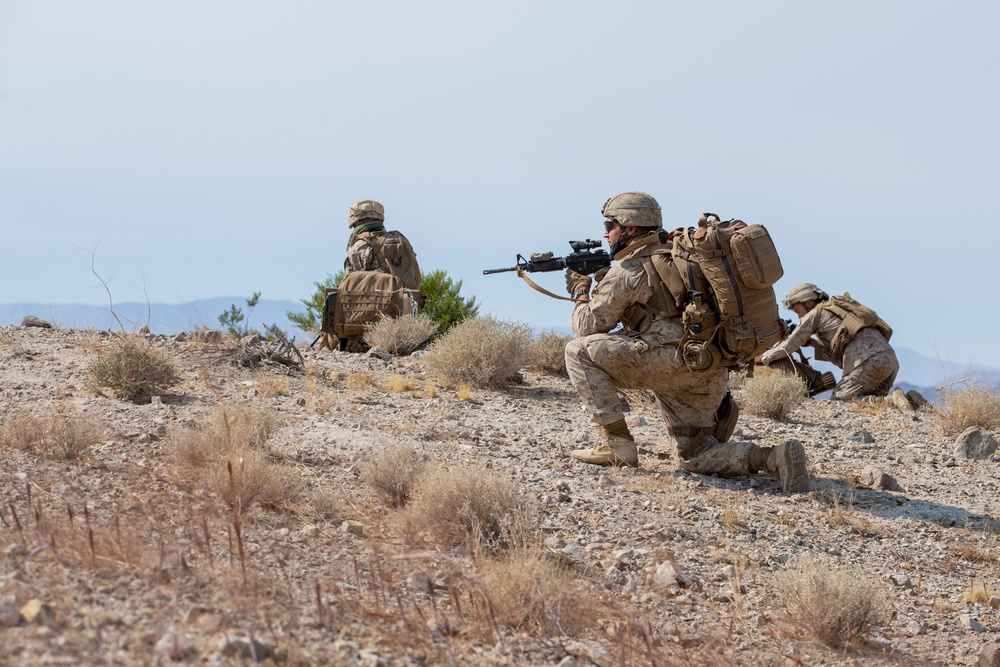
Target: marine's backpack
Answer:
[[395, 255], [362, 298], [855, 317], [728, 307]]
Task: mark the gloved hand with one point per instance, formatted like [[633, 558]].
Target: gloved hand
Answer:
[[599, 276], [577, 281]]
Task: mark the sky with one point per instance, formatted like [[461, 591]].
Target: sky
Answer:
[[187, 149]]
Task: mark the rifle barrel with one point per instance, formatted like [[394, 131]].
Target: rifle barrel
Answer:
[[487, 272]]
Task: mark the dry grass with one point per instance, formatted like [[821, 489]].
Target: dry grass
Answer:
[[400, 383], [463, 392], [469, 507], [359, 381], [639, 398], [483, 352], [973, 406], [393, 472], [400, 335], [978, 592], [833, 606], [272, 386], [529, 592], [227, 456], [431, 388], [132, 370], [773, 395], [548, 353], [61, 437]]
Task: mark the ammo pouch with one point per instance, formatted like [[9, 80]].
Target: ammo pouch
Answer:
[[364, 297]]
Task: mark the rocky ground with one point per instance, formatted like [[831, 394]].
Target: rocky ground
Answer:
[[115, 556]]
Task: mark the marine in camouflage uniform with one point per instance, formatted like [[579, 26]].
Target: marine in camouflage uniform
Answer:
[[868, 361], [697, 407]]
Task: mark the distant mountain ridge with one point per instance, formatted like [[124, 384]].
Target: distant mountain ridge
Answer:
[[916, 371]]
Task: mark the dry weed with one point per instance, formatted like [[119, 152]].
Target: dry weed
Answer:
[[271, 386], [973, 406], [227, 456], [639, 398], [392, 472], [530, 592], [132, 370], [773, 395], [978, 592], [359, 381], [400, 335], [469, 507], [60, 437], [832, 606], [463, 392], [548, 353], [401, 383], [431, 388], [483, 352]]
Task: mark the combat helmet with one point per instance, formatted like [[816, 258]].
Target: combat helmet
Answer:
[[633, 208], [365, 209], [803, 292]]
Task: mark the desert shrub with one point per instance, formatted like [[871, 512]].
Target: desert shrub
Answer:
[[832, 606], [975, 405], [548, 352], [133, 370], [392, 473], [227, 455], [483, 352], [400, 335], [530, 592], [470, 507], [56, 436], [773, 395]]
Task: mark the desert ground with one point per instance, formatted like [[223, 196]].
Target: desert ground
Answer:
[[244, 517]]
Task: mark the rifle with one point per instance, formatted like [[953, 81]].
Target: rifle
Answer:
[[584, 259]]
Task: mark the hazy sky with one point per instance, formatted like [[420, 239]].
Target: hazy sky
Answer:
[[213, 148]]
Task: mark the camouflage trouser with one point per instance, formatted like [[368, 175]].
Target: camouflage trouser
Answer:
[[600, 364], [870, 367]]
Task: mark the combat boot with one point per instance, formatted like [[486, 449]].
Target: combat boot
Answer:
[[618, 448], [725, 419], [786, 461], [899, 400]]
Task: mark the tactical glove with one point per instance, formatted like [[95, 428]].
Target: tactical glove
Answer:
[[576, 282]]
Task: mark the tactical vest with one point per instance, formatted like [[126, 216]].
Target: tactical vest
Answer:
[[394, 255], [854, 317]]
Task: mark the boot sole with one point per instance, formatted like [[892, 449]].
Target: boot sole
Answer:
[[794, 476], [614, 462]]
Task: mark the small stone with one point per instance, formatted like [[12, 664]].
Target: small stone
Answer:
[[671, 575], [9, 616], [970, 622], [995, 602], [175, 646], [156, 400], [36, 611], [727, 573], [384, 355], [914, 628], [901, 579], [252, 393], [861, 436], [878, 479], [975, 443], [352, 527], [990, 657], [244, 647], [32, 321], [181, 337], [300, 401]]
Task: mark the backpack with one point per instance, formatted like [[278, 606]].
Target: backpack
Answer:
[[395, 255], [362, 298], [728, 307], [855, 317]]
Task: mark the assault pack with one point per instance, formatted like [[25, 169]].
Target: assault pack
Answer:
[[855, 317], [364, 297], [719, 278], [395, 255]]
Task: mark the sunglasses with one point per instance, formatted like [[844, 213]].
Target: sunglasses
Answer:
[[609, 225]]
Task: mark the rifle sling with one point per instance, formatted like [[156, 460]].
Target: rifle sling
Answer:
[[535, 286]]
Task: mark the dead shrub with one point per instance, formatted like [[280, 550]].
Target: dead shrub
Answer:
[[548, 353], [132, 370], [469, 507], [482, 351], [530, 592], [228, 456], [832, 606], [392, 473], [773, 395], [975, 405], [400, 335], [60, 437]]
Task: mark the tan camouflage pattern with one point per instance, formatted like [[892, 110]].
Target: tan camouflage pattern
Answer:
[[870, 364], [360, 257], [365, 209], [599, 363]]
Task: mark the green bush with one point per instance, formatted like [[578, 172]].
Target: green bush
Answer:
[[311, 319]]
